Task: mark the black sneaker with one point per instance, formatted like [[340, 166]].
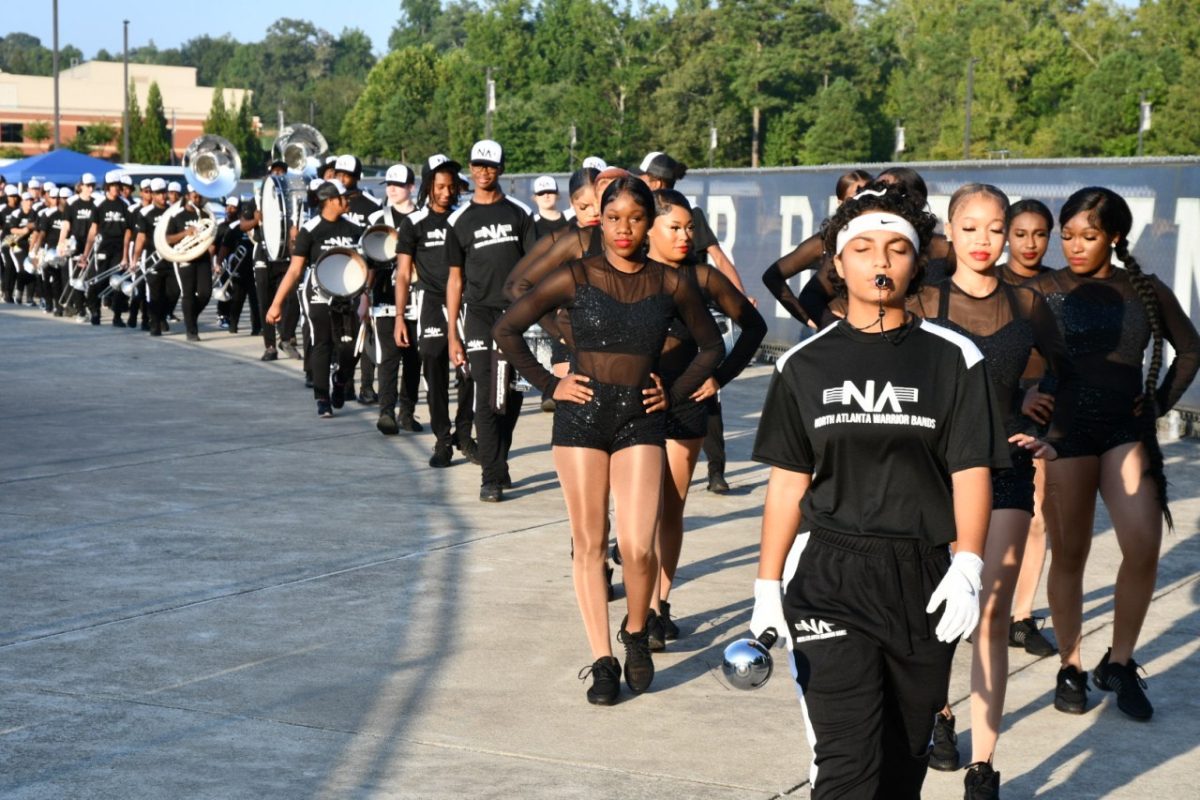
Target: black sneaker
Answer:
[[1109, 676], [639, 667], [193, 337], [944, 754], [470, 450], [95, 319], [117, 322], [338, 396], [367, 396], [606, 681], [406, 421], [324, 410], [717, 483], [386, 424], [1025, 633], [270, 354], [163, 327], [1070, 693], [981, 782], [654, 629], [442, 457], [491, 493], [288, 348], [506, 481], [670, 629]]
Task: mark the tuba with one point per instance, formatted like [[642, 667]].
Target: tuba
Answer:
[[298, 143], [212, 166]]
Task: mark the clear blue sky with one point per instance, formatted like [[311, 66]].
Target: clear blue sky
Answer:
[[91, 26]]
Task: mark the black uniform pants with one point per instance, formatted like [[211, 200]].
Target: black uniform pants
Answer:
[[399, 368], [870, 672], [106, 258], [160, 288], [267, 275], [195, 290], [8, 273], [52, 285], [242, 289], [434, 350], [331, 328], [714, 438], [494, 431]]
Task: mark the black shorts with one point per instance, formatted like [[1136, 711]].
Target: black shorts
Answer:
[[612, 420], [1099, 421], [689, 419], [1013, 487]]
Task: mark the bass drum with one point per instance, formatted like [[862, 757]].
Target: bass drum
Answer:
[[341, 272], [274, 206]]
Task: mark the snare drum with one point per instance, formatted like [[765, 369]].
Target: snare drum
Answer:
[[341, 272]]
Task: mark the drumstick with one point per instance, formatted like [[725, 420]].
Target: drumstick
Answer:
[[362, 339]]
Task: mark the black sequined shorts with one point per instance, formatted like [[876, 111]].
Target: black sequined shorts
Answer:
[[612, 420], [689, 419], [1013, 487], [1099, 421]]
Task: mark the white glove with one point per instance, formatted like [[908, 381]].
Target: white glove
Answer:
[[959, 590], [768, 609]]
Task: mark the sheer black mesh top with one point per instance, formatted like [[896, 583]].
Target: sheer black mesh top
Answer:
[[552, 251], [620, 322], [720, 294], [1006, 325], [1104, 325]]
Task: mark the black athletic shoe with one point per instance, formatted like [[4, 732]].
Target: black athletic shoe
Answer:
[[981, 782], [670, 629], [193, 337], [156, 332], [367, 396], [270, 354], [470, 450], [338, 396], [442, 457], [1025, 633], [606, 681], [324, 410], [944, 755], [233, 329], [1070, 694], [118, 322], [639, 666], [491, 493], [654, 629], [145, 324], [506, 481], [405, 418], [288, 348], [386, 424], [172, 318], [163, 327], [1109, 676], [95, 319], [717, 484]]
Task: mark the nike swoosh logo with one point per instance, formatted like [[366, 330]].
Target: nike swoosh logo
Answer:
[[887, 222]]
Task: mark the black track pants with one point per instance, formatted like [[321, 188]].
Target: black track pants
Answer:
[[195, 290], [267, 275], [398, 368], [434, 349], [870, 672], [332, 332], [494, 431]]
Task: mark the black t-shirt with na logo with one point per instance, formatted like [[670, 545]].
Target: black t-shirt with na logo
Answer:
[[881, 426], [423, 236], [318, 235], [487, 241]]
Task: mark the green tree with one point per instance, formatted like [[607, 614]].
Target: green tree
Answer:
[[153, 145], [840, 133], [208, 55], [133, 113], [247, 142], [219, 121], [395, 115], [38, 132]]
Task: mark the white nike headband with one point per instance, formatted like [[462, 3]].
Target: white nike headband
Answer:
[[878, 221]]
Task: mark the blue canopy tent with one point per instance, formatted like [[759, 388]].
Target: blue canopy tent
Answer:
[[60, 166]]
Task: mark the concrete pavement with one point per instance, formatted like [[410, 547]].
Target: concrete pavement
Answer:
[[208, 592]]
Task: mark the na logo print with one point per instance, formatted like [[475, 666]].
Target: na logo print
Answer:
[[891, 396]]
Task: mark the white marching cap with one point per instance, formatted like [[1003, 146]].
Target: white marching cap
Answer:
[[487, 151], [158, 185], [544, 183], [398, 173], [88, 179], [174, 186], [594, 162]]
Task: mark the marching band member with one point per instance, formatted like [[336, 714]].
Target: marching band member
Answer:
[[108, 235], [145, 254], [359, 208], [548, 218], [79, 213], [235, 249], [421, 249], [487, 237], [193, 277], [46, 226], [8, 274], [18, 226], [330, 320], [377, 309]]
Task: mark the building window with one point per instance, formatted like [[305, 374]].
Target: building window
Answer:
[[12, 132]]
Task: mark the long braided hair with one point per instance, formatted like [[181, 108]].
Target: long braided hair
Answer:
[[1109, 211]]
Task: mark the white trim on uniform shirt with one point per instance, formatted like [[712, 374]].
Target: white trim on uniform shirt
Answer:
[[779, 362]]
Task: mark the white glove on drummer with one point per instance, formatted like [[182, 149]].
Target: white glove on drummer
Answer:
[[768, 609], [959, 590]]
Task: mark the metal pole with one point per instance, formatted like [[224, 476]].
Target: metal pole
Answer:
[[970, 97], [491, 104], [57, 137], [126, 152], [1141, 123]]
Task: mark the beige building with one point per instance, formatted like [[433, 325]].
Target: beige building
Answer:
[[94, 92]]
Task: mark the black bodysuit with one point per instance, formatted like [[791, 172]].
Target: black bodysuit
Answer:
[[619, 323], [1104, 325], [688, 419], [1009, 326]]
